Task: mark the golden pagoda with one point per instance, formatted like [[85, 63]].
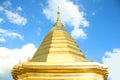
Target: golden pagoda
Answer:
[[59, 58]]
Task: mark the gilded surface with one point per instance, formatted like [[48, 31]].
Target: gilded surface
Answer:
[[58, 44], [59, 58]]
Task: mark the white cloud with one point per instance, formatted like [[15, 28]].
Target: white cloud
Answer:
[[112, 60], [70, 14], [1, 8], [1, 20], [10, 57], [5, 33], [7, 3], [19, 8], [2, 39], [15, 18], [79, 33]]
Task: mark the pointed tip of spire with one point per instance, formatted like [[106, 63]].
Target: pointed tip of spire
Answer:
[[58, 13]]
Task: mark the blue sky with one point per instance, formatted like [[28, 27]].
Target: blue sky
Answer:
[[94, 24]]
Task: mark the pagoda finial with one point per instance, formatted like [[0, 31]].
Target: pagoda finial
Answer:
[[58, 13]]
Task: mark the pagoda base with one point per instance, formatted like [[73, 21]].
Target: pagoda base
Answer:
[[50, 71], [62, 76]]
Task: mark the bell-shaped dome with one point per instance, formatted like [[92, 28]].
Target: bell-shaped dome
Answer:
[[58, 46]]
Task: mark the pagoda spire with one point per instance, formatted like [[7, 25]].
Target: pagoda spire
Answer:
[[59, 58], [58, 14]]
